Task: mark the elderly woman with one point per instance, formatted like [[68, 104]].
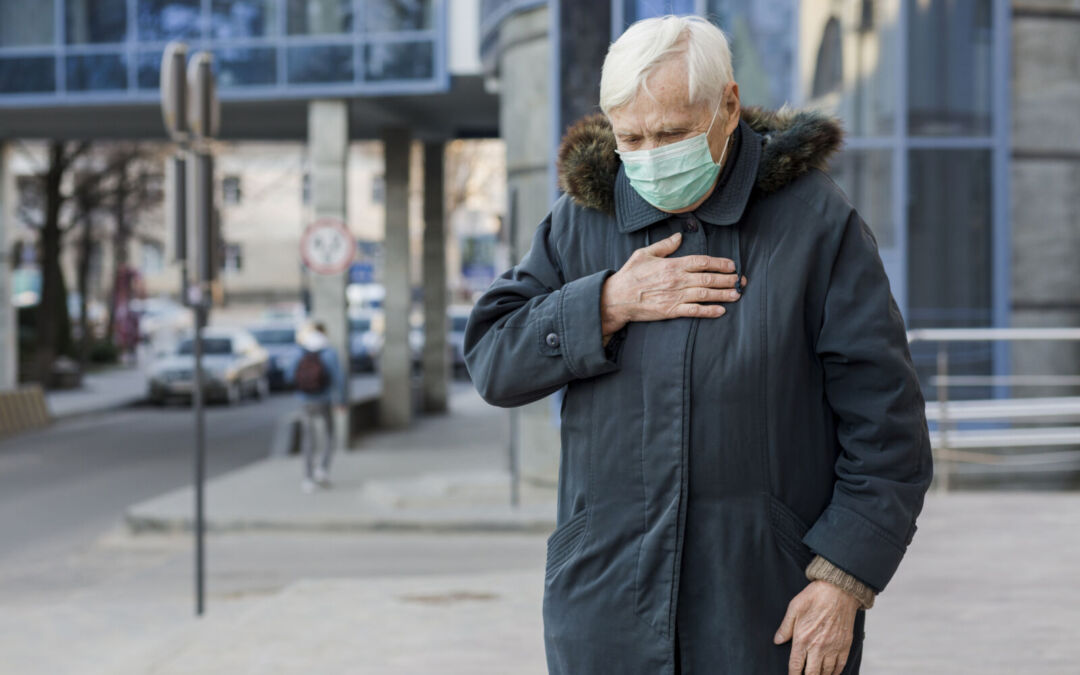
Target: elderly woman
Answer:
[[744, 446]]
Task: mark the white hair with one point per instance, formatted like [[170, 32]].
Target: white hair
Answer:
[[650, 42]]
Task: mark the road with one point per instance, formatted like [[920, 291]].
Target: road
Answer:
[[65, 484]]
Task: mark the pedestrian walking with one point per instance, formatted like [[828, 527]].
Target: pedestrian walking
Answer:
[[744, 443], [320, 386]]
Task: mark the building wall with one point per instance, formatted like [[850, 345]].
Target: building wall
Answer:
[[1045, 174]]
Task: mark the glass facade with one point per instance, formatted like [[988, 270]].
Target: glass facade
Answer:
[[111, 49], [925, 158]]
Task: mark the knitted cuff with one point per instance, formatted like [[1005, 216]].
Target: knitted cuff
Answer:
[[820, 568]]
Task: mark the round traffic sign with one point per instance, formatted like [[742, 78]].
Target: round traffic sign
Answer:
[[327, 246]]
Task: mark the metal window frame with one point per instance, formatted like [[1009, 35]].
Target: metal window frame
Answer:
[[132, 49]]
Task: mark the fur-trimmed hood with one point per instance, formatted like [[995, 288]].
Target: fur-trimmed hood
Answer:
[[795, 141]]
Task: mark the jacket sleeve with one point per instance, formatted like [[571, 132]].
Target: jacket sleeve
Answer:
[[884, 468], [533, 331]]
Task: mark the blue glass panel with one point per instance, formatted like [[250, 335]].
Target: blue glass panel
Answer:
[[320, 64], [643, 9], [397, 15], [238, 67], [30, 74], [161, 20], [399, 61], [94, 72], [319, 17], [148, 70], [950, 85], [95, 21], [23, 23], [243, 18], [761, 34]]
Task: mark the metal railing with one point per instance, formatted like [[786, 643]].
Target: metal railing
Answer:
[[952, 445]]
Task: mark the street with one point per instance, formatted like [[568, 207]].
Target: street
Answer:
[[64, 484]]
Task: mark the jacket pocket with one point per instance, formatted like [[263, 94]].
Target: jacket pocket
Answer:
[[564, 542], [789, 529]]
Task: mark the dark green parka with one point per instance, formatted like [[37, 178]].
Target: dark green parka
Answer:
[[705, 461]]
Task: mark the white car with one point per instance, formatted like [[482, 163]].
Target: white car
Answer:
[[234, 366]]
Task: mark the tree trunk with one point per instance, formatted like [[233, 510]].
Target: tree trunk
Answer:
[[52, 315]]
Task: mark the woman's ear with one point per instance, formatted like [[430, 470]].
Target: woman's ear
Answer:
[[732, 107]]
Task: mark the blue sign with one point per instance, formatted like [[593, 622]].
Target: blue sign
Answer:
[[362, 273]]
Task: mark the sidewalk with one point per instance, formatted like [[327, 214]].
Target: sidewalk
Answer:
[[988, 587], [115, 388], [445, 473]]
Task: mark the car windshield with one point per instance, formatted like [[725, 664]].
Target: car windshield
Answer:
[[457, 324], [211, 346], [275, 336]]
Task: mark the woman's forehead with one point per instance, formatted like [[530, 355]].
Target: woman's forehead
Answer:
[[665, 103]]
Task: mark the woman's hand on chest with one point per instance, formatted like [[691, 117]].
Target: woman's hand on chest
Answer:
[[653, 287]]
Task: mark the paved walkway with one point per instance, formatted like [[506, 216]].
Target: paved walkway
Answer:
[[989, 587], [445, 473]]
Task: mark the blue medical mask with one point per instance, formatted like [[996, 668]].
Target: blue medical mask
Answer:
[[674, 176]]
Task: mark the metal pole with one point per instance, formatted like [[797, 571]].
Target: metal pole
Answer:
[[943, 418], [200, 465]]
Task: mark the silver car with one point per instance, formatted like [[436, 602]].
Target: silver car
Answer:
[[234, 366]]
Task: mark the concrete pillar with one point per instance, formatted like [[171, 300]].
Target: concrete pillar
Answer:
[[525, 125], [328, 151], [8, 329], [395, 363], [436, 366]]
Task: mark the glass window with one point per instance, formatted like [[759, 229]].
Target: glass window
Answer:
[[865, 176], [319, 17], [950, 257], [949, 237], [28, 74], [320, 64], [243, 18], [230, 188], [949, 67], [397, 15], [148, 70], [399, 61], [761, 34], [95, 72], [853, 46], [95, 21], [245, 67], [161, 20], [274, 336], [210, 346], [24, 24]]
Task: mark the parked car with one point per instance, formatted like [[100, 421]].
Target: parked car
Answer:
[[279, 341], [458, 318], [365, 340], [234, 366], [162, 320]]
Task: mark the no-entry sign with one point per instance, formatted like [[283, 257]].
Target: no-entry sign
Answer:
[[327, 246]]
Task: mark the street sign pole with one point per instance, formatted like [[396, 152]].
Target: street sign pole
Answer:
[[190, 110]]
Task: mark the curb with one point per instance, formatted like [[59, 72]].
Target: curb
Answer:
[[531, 522]]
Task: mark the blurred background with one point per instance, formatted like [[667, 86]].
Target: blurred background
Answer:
[[429, 129]]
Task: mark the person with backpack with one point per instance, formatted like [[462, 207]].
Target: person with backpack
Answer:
[[320, 386]]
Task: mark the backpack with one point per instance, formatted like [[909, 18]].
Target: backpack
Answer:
[[311, 374]]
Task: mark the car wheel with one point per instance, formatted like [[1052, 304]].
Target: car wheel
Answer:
[[262, 388], [233, 393]]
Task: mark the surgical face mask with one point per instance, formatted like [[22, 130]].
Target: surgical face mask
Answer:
[[674, 176]]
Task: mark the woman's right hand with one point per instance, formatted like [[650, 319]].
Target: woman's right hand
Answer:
[[653, 287]]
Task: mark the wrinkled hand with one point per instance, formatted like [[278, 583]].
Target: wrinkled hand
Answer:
[[821, 618], [652, 287]]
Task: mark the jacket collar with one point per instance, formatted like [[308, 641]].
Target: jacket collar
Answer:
[[777, 146], [724, 206]]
